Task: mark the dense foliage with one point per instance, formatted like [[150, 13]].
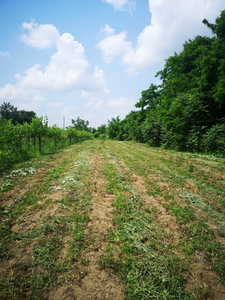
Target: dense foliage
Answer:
[[9, 112], [19, 142], [23, 135], [187, 110]]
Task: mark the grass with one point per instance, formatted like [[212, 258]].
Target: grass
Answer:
[[53, 209], [149, 270], [181, 173], [42, 245]]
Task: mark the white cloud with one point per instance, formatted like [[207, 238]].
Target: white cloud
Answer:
[[96, 105], [122, 102], [5, 53], [95, 85], [99, 104], [172, 23], [36, 104], [108, 30], [114, 44], [10, 92], [121, 4], [65, 72], [40, 36], [56, 104]]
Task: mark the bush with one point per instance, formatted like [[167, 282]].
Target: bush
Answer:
[[96, 134], [214, 139], [152, 132]]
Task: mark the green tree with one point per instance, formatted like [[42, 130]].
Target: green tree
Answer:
[[102, 129], [56, 134], [39, 130], [148, 99], [113, 128], [80, 124], [71, 133], [9, 112]]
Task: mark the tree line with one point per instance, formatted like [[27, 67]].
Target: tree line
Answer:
[[186, 111]]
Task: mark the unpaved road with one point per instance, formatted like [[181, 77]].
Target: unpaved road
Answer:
[[58, 223]]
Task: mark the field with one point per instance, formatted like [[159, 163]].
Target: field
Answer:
[[113, 220]]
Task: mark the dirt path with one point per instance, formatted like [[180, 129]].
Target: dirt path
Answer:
[[95, 282]]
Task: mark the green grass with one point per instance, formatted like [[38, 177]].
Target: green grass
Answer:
[[149, 270], [189, 188], [178, 170], [43, 244]]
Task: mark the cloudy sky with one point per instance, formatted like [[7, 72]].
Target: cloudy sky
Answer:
[[91, 58]]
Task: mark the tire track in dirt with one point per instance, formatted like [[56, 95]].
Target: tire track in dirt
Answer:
[[95, 283]]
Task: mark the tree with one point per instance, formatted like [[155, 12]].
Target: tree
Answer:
[[113, 128], [185, 113], [25, 116], [152, 131], [39, 129], [102, 129], [9, 112], [148, 97], [80, 124], [219, 27]]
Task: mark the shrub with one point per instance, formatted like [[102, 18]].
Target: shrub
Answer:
[[214, 139]]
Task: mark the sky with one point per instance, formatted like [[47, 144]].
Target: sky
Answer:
[[91, 58]]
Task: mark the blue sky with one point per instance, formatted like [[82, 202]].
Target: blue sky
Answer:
[[91, 58]]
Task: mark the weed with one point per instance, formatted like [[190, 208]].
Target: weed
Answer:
[[183, 214], [191, 168], [85, 261]]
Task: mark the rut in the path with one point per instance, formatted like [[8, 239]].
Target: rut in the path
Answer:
[[96, 283]]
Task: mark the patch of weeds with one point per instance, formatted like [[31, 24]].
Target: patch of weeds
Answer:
[[4, 252], [46, 253], [6, 185], [85, 261], [183, 214], [148, 210], [123, 176], [29, 279], [193, 199], [154, 210], [200, 234], [30, 198], [221, 233], [219, 266], [143, 265], [191, 168], [21, 172], [106, 260], [215, 212], [60, 220], [200, 237]]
